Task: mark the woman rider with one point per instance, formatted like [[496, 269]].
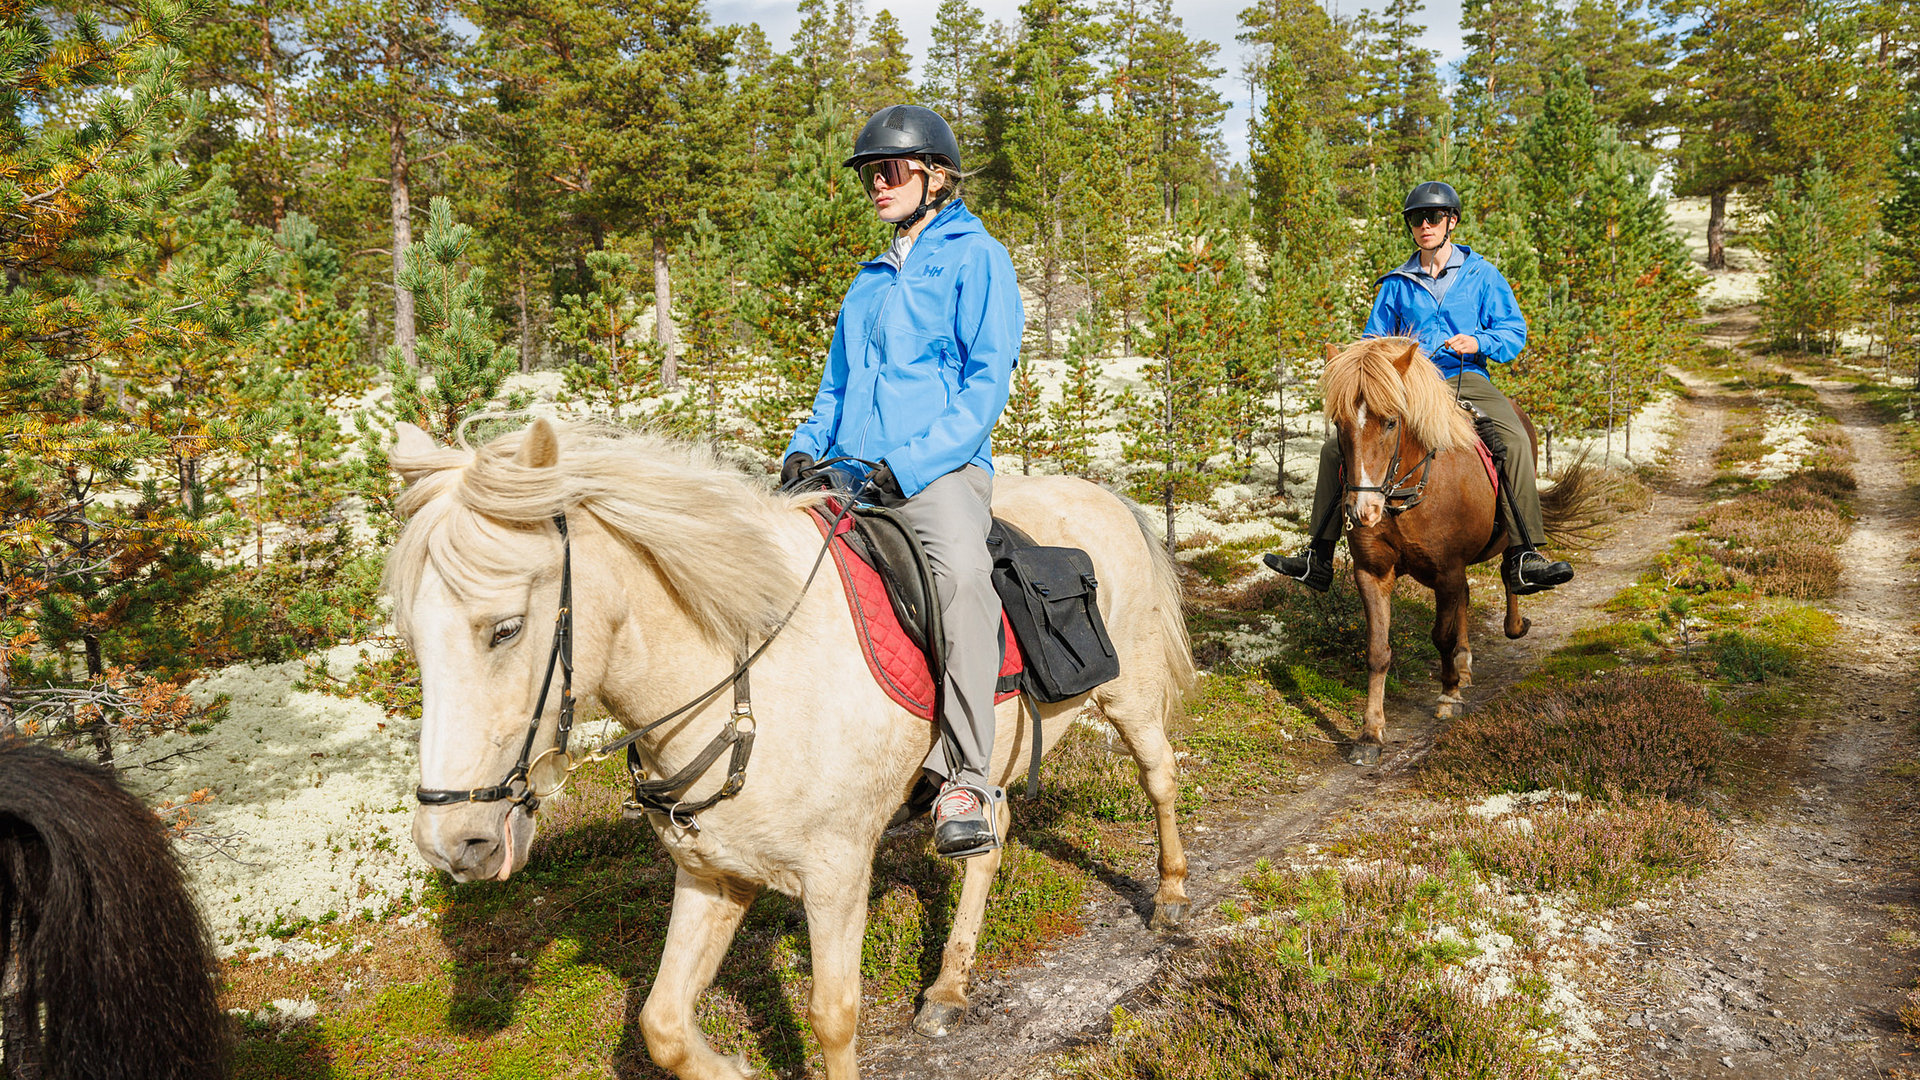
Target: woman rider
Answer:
[[1464, 314], [921, 365]]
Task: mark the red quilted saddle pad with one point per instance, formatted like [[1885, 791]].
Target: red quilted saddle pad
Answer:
[[1486, 459], [898, 665]]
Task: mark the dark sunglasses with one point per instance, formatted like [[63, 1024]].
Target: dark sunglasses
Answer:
[[1428, 217], [895, 171]]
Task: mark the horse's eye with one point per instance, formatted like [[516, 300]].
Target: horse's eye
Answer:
[[506, 630]]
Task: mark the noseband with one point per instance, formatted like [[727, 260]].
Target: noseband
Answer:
[[1399, 495]]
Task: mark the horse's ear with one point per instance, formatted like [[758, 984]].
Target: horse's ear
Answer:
[[410, 441], [414, 453], [1405, 360], [1332, 351], [541, 447]]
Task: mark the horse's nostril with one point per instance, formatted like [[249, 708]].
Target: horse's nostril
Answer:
[[470, 853]]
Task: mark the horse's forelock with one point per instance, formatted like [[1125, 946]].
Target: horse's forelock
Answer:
[[1366, 372]]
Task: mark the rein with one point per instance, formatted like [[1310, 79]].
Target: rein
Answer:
[[648, 795]]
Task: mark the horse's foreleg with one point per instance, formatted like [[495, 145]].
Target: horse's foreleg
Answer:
[[705, 916], [1146, 740], [946, 1000], [1450, 641], [837, 925], [1376, 595]]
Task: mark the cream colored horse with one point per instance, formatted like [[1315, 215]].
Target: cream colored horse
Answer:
[[678, 563]]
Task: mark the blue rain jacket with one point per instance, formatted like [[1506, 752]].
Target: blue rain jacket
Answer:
[[922, 357], [1479, 302]]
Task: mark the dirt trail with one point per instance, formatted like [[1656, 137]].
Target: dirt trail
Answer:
[[1788, 961], [1068, 994]]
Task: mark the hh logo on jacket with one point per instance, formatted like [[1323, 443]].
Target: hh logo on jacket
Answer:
[[931, 271]]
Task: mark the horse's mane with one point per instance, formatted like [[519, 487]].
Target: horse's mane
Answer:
[[1366, 371], [109, 970], [706, 529]]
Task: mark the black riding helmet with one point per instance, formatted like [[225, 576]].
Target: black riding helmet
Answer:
[[906, 131], [1432, 195]]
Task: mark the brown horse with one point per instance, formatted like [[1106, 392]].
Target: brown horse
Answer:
[[1420, 504]]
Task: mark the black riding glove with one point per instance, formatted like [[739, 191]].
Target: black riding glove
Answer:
[[883, 481], [795, 464]]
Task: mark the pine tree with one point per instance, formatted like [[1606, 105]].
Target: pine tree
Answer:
[[595, 326], [1168, 81], [459, 350], [1078, 417], [1816, 259], [710, 314], [1402, 101], [1171, 426], [884, 74], [814, 224], [387, 70], [1626, 59], [1022, 428], [956, 69], [93, 124], [1500, 83]]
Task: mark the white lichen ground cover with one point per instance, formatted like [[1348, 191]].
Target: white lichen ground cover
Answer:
[[313, 795], [1785, 437]]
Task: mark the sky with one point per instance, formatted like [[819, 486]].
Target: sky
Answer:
[[1214, 20]]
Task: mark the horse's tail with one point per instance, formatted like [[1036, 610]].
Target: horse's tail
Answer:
[[1577, 503], [105, 966], [1165, 587]]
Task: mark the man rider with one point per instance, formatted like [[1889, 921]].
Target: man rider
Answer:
[[1463, 313], [920, 368]]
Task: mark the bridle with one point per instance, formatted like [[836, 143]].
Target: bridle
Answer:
[[1398, 489], [520, 786]]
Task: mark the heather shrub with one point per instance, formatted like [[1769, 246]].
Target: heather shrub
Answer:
[[1616, 733], [1347, 988], [1606, 853], [1784, 539]]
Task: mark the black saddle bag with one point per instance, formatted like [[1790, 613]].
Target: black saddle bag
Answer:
[[1050, 597]]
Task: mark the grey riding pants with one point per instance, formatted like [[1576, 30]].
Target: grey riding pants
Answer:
[[951, 517], [1517, 472]]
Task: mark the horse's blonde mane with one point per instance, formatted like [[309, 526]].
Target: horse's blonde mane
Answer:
[[707, 530], [1367, 371]]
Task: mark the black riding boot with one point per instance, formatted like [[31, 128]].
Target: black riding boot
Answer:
[[1526, 571], [1313, 567]]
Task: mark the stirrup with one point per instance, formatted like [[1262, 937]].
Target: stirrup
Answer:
[[976, 841]]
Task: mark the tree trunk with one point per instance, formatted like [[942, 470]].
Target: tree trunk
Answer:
[[663, 317], [1172, 549], [96, 670], [526, 326], [401, 209], [1716, 231], [270, 120]]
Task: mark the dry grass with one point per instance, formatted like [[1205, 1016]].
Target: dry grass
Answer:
[[1784, 540], [1615, 733]]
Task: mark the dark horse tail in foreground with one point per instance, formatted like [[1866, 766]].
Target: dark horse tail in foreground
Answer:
[[1420, 504], [106, 972]]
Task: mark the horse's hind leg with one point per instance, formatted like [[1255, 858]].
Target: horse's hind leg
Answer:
[[1450, 641], [1142, 725], [705, 916], [946, 1000], [1517, 625]]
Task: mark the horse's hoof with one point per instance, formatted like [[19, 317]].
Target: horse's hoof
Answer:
[[937, 1019], [1365, 753], [1446, 710], [1516, 635], [1169, 915]]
